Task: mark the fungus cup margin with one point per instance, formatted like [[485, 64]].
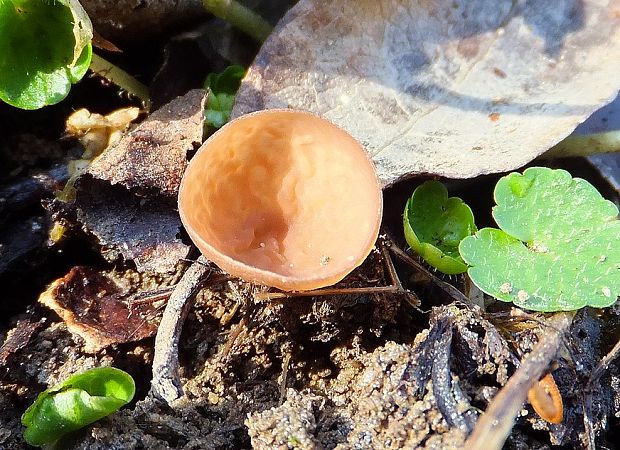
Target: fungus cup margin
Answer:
[[271, 182]]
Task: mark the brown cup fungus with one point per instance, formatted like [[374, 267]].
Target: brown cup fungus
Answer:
[[283, 198]]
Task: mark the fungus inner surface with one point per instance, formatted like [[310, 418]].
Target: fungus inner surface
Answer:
[[284, 192]]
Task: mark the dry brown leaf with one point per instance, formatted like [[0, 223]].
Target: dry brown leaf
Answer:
[[453, 88], [153, 156], [127, 198], [97, 132], [94, 306], [142, 229], [19, 336]]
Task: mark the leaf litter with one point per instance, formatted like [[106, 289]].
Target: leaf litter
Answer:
[[456, 89], [127, 196], [350, 376]]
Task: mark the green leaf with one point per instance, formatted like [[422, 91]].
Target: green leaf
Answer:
[[222, 89], [435, 224], [226, 82], [81, 400], [558, 248], [45, 47]]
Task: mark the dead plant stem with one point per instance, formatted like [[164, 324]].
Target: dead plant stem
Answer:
[[494, 426], [166, 382]]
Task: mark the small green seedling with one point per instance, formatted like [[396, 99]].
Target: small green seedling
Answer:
[[45, 47], [81, 400], [558, 248], [222, 89], [435, 224]]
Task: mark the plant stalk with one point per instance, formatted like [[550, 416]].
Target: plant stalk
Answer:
[[119, 77], [240, 17], [586, 145]]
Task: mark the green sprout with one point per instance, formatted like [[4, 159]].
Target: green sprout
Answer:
[[45, 47], [435, 225], [222, 88], [81, 400], [558, 246]]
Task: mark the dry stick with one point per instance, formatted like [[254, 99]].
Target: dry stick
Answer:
[[166, 383], [495, 424], [233, 336], [262, 296], [285, 365], [145, 298], [241, 326], [410, 297], [595, 376], [395, 288]]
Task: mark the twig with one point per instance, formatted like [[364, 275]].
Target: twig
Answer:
[[410, 296], [395, 287], [263, 296], [240, 17], [586, 145], [249, 309], [449, 398], [166, 383], [495, 424], [119, 77], [595, 376], [447, 287], [286, 361], [151, 296]]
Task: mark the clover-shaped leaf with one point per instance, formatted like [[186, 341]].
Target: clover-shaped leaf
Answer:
[[82, 399], [435, 224], [558, 248], [45, 47]]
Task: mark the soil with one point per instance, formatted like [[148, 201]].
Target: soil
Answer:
[[346, 372]]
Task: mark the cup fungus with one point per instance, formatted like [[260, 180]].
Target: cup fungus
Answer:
[[283, 198]]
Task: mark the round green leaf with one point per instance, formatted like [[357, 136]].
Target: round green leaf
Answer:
[[558, 248], [435, 224], [81, 400], [39, 56]]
